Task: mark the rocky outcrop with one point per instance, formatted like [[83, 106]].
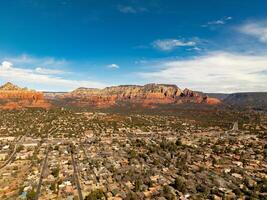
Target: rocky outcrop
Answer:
[[11, 87], [14, 97], [212, 101], [149, 95]]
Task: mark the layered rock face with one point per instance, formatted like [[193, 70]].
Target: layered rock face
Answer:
[[14, 97], [149, 95]]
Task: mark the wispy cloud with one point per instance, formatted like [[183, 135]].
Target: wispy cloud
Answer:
[[257, 30], [214, 72], [41, 70], [170, 44], [27, 60], [113, 66], [218, 22], [131, 9], [42, 78]]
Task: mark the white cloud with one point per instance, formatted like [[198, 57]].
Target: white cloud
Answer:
[[194, 49], [131, 9], [42, 70], [27, 60], [170, 44], [214, 72], [113, 66], [126, 9], [41, 78], [218, 22], [6, 65], [255, 29]]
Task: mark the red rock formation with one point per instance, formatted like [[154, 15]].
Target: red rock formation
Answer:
[[13, 97], [149, 95], [212, 101], [29, 95]]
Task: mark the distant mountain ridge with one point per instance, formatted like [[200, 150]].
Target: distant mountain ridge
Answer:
[[256, 100], [147, 96]]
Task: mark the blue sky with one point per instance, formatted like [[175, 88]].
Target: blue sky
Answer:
[[209, 45]]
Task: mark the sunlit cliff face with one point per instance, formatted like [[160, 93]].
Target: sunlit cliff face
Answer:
[[14, 97]]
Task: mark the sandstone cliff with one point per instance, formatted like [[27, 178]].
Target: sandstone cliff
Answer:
[[14, 97], [149, 95]]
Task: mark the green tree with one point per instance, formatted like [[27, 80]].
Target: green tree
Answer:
[[31, 195], [95, 195], [179, 184]]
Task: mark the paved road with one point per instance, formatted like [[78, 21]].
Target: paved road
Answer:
[[42, 175], [76, 175]]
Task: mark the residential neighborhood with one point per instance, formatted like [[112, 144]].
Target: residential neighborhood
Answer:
[[94, 155]]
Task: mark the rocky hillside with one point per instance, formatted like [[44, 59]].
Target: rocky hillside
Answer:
[[14, 97], [149, 95], [10, 87], [254, 100]]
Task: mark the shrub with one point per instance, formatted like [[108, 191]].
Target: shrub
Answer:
[[95, 195], [31, 195], [131, 196], [55, 172], [178, 142], [179, 184], [167, 193], [137, 185], [132, 154]]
